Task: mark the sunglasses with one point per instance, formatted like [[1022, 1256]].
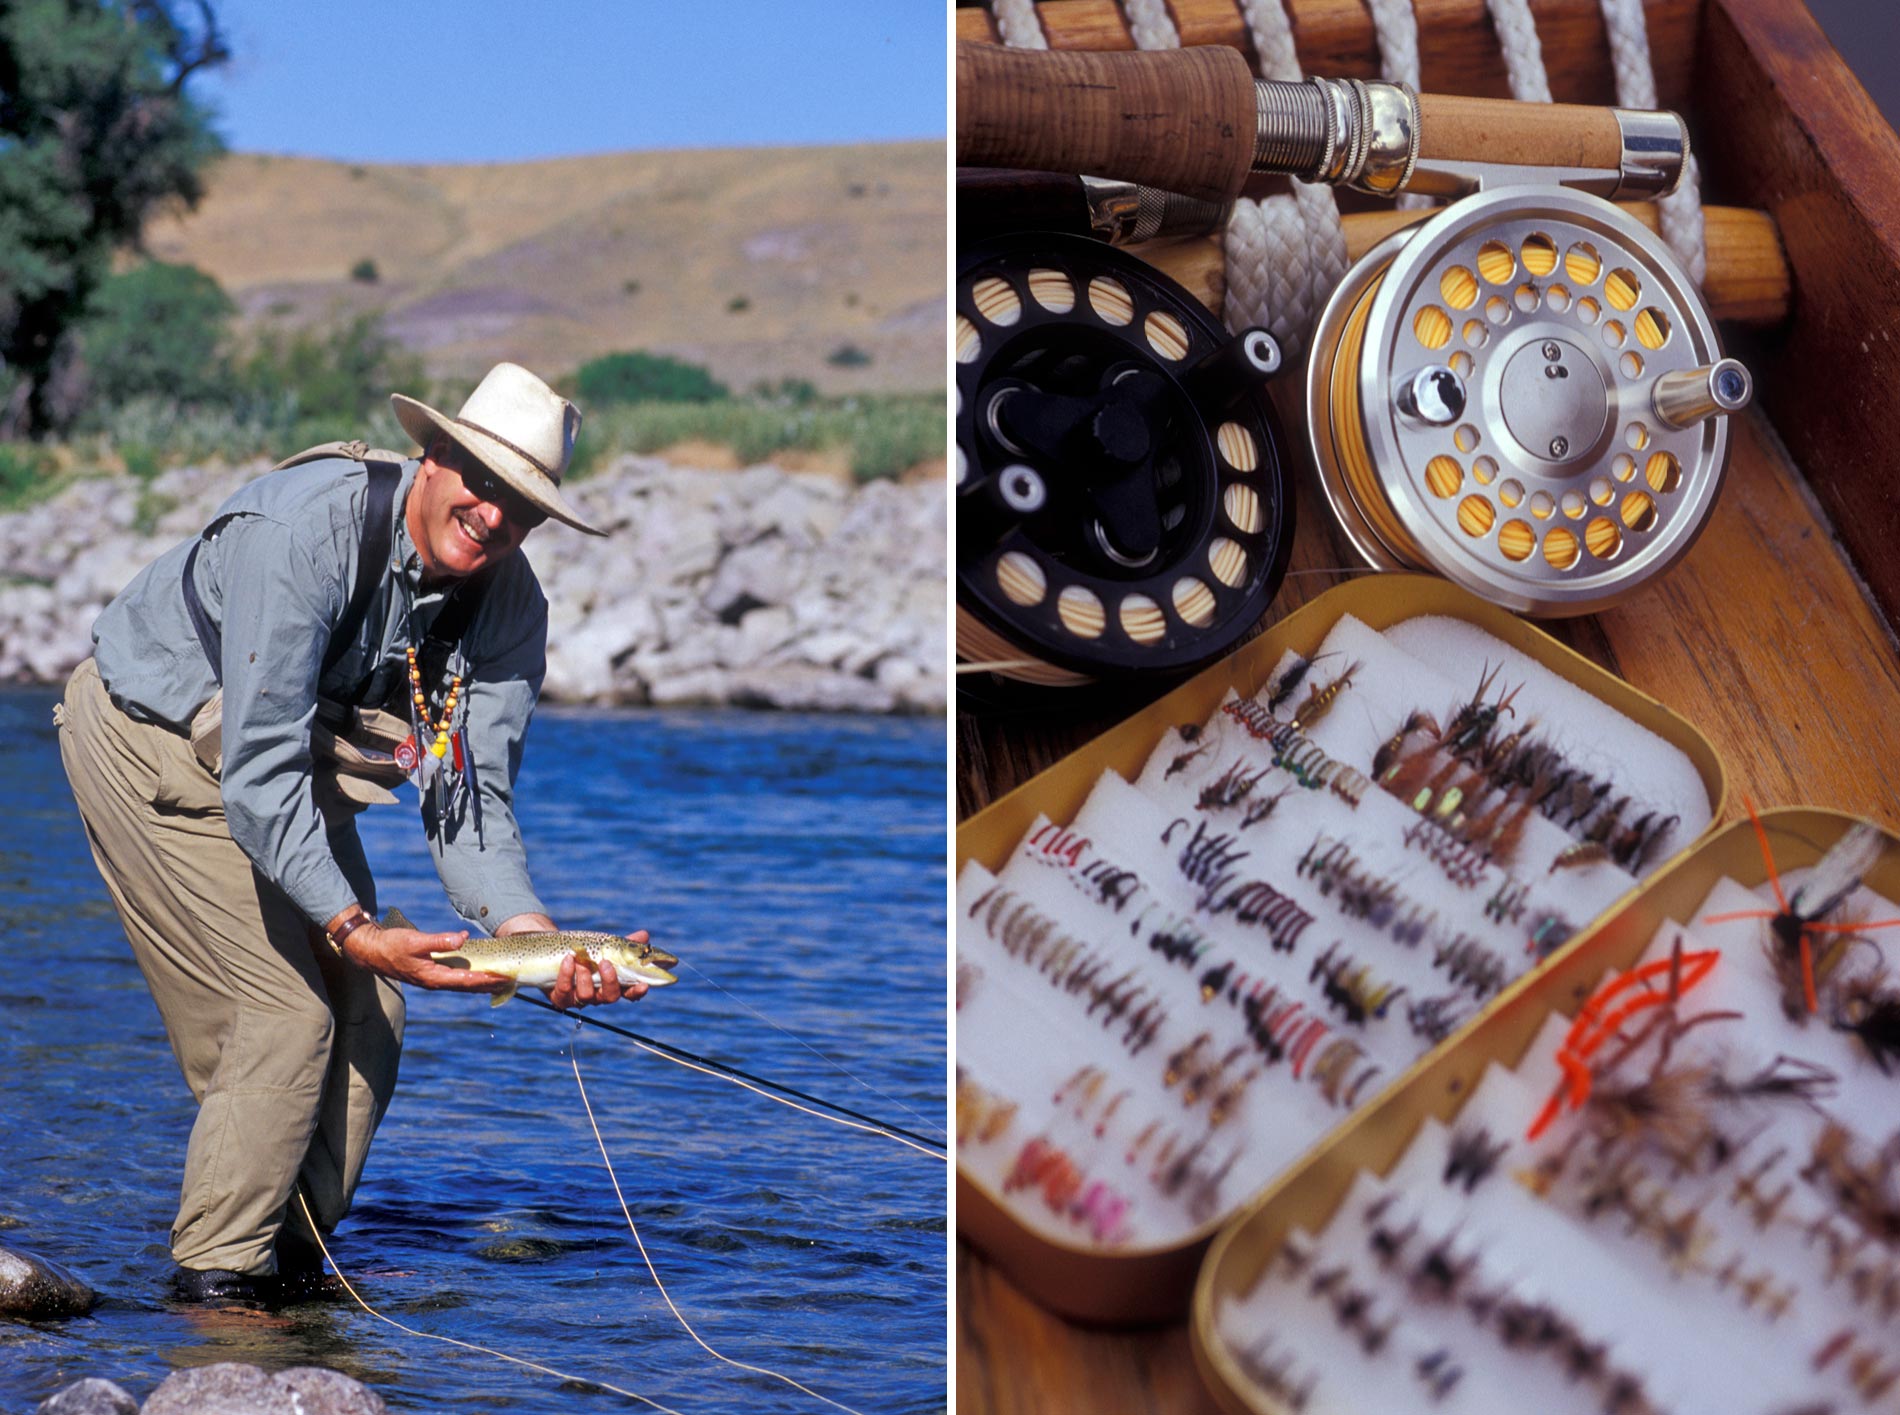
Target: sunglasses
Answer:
[[488, 487]]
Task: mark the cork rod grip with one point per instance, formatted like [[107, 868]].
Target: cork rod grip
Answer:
[[1181, 119], [1518, 134]]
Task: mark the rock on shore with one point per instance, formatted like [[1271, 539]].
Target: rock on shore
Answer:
[[227, 1388], [759, 588]]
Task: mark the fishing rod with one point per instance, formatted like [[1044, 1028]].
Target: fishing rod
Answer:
[[733, 1072]]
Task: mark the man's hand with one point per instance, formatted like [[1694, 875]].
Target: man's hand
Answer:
[[575, 986], [403, 954]]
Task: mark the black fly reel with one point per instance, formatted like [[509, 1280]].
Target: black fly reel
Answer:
[[1122, 494]]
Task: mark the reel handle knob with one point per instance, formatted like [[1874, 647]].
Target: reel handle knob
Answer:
[[1434, 396], [989, 508], [1687, 396], [1235, 369]]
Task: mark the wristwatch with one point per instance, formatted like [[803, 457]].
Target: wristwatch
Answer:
[[340, 932]]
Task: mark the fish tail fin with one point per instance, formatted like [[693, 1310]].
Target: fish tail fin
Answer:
[[395, 919], [503, 995]]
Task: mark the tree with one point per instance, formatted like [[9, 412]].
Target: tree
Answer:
[[157, 331], [96, 130]]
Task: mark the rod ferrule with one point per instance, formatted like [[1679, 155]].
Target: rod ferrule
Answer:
[[1344, 132], [1655, 153]]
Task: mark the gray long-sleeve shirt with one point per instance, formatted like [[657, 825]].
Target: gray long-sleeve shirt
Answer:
[[275, 574]]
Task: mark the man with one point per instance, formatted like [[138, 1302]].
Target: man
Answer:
[[244, 890]]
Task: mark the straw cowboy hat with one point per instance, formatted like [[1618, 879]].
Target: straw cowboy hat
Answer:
[[514, 425]]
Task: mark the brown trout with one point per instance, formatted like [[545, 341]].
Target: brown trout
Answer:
[[534, 959]]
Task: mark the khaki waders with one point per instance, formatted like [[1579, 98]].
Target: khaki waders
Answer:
[[290, 1053]]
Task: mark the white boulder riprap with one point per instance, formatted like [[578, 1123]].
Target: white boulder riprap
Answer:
[[757, 588]]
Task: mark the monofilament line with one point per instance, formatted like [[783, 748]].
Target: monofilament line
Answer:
[[841, 1069], [903, 1137], [574, 1060], [469, 1345]]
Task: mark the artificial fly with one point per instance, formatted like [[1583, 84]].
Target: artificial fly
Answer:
[[1593, 1028], [1793, 925]]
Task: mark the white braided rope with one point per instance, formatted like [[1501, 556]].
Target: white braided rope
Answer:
[[1681, 211], [1019, 24], [1395, 25], [1272, 34], [1151, 25], [1396, 28], [1523, 54], [1285, 254]]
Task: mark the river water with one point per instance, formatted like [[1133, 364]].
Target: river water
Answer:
[[794, 863]]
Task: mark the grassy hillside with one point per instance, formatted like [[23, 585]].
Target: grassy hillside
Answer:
[[758, 263]]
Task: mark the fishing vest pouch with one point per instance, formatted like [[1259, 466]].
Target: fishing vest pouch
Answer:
[[352, 750]]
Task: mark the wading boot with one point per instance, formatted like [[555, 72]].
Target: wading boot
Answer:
[[220, 1285]]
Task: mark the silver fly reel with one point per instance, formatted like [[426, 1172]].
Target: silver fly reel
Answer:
[[1525, 394]]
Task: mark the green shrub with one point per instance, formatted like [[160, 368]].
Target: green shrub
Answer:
[[883, 436], [336, 378], [143, 460], [640, 377], [25, 471], [157, 330], [892, 434], [738, 304], [364, 272], [847, 356], [798, 392], [150, 509]]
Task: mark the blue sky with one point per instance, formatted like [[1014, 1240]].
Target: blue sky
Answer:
[[504, 80]]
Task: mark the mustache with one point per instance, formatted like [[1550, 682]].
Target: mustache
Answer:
[[477, 530]]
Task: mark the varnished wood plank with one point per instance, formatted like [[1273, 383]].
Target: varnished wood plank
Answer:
[[1787, 127], [1458, 46], [1013, 1358]]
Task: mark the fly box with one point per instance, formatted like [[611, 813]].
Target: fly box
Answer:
[[1764, 1215], [1192, 948]]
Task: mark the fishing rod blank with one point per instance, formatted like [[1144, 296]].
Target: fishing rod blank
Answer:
[[681, 1054]]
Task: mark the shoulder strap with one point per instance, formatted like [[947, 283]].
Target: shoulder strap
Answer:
[[371, 559], [378, 528], [355, 450]]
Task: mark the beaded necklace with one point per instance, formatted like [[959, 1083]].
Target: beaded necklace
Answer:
[[440, 746]]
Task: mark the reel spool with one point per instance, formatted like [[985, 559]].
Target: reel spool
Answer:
[[1524, 394], [1122, 498]]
